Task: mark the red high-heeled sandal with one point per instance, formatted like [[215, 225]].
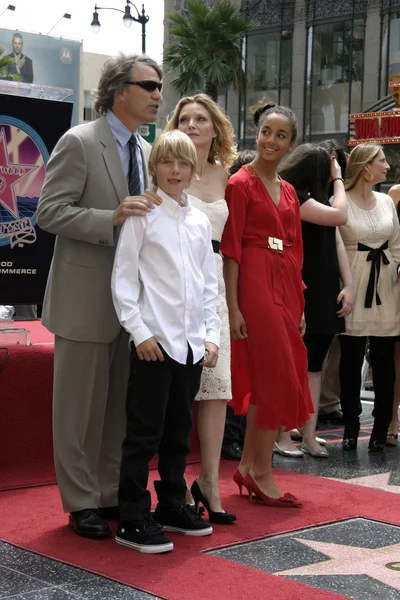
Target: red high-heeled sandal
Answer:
[[238, 479], [285, 501]]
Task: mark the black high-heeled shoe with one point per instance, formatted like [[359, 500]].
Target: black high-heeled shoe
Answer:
[[219, 518]]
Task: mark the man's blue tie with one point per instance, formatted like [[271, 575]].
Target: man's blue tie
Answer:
[[133, 174]]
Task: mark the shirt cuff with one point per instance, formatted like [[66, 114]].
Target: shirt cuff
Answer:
[[141, 334], [213, 337]]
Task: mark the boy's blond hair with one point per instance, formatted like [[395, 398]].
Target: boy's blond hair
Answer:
[[176, 144]]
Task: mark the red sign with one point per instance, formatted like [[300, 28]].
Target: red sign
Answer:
[[375, 128]]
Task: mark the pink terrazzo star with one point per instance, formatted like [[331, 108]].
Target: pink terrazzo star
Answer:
[[352, 560], [10, 175], [378, 482]]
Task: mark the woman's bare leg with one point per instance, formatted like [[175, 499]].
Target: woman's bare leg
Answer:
[[210, 427]]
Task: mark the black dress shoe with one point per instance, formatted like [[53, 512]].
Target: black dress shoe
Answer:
[[88, 523], [349, 444], [109, 513], [376, 446], [232, 452], [335, 417]]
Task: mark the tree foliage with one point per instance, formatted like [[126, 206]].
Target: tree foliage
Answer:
[[4, 62], [206, 47]]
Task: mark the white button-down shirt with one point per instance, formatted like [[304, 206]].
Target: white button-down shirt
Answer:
[[164, 283]]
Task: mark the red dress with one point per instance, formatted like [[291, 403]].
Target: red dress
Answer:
[[269, 367]]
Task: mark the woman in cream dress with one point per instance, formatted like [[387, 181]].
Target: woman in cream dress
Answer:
[[212, 134], [372, 240]]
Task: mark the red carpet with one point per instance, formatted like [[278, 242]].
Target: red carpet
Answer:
[[32, 519], [26, 454], [26, 383]]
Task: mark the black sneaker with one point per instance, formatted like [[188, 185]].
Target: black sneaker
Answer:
[[143, 536], [183, 519]]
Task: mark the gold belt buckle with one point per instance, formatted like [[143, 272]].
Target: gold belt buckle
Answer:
[[275, 244]]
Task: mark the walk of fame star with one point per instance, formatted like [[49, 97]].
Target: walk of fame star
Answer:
[[10, 175], [378, 482], [352, 560]]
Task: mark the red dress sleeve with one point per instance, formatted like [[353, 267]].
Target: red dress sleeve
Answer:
[[237, 199]]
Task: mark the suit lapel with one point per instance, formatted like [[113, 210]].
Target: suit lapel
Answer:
[[112, 159]]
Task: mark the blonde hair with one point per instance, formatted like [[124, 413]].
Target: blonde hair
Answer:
[[359, 158], [223, 146], [176, 144]]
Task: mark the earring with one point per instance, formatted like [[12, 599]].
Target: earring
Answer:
[[369, 177]]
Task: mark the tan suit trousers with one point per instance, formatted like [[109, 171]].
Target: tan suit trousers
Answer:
[[330, 386], [89, 422]]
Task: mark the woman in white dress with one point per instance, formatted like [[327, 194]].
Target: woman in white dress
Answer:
[[372, 240], [212, 133]]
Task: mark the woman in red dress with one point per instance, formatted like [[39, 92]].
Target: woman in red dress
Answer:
[[263, 257]]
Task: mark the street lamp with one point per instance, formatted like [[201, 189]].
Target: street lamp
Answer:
[[9, 7], [141, 18], [65, 16]]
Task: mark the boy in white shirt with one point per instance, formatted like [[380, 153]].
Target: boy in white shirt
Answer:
[[164, 286]]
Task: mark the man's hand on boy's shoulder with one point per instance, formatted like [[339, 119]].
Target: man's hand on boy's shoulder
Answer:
[[136, 206], [210, 355], [149, 350]]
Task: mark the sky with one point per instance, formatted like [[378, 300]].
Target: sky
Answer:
[[39, 16]]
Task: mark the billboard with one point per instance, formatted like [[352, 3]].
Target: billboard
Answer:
[[374, 128], [29, 130], [43, 60]]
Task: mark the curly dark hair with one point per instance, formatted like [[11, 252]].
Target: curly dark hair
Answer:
[[264, 108]]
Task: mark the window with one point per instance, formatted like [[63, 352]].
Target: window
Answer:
[[89, 114], [335, 75], [268, 70], [390, 60]]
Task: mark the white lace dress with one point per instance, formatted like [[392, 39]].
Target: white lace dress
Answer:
[[216, 383]]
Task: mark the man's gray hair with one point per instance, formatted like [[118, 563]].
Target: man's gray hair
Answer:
[[113, 76]]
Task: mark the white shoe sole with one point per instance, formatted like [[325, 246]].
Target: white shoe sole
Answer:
[[193, 532], [156, 549], [314, 453]]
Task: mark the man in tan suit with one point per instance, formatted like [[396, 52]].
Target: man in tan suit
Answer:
[[95, 179]]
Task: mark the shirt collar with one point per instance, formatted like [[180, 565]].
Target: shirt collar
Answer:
[[171, 205], [119, 131]]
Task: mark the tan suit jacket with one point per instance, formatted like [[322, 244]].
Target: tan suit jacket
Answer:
[[84, 184]]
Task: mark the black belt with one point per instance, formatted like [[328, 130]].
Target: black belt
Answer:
[[374, 255], [215, 245]]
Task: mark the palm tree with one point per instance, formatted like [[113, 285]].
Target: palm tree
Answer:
[[4, 62], [206, 47]]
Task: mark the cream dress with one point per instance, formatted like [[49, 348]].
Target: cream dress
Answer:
[[216, 383], [373, 228]]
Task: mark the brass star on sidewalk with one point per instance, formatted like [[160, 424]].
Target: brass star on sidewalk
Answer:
[[352, 560]]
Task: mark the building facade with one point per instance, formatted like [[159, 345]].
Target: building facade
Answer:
[[326, 59]]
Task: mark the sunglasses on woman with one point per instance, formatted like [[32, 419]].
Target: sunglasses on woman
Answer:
[[147, 84]]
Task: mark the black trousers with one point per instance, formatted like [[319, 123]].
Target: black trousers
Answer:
[[159, 419], [381, 352], [235, 428]]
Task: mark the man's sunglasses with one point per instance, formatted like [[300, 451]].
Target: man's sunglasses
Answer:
[[146, 84]]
